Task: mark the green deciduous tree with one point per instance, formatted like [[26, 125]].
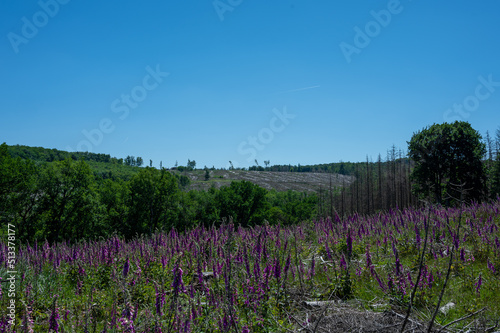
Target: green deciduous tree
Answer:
[[18, 193], [68, 201], [447, 156], [9, 172], [113, 196], [153, 201], [290, 207], [130, 160], [191, 164], [244, 201]]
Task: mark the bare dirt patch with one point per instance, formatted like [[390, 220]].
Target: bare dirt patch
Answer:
[[338, 316]]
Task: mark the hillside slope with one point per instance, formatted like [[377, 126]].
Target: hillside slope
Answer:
[[280, 181], [279, 178]]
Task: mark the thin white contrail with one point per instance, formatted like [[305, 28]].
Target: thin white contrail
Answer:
[[298, 89]]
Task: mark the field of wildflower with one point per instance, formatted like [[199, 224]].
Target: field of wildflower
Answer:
[[262, 279]]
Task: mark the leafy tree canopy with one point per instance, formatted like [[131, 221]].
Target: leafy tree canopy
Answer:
[[448, 157]]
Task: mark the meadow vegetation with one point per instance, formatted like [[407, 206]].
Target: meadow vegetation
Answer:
[[258, 279], [105, 245]]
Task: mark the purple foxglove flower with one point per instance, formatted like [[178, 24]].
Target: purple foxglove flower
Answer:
[[81, 271], [462, 254], [247, 264], [390, 282], [127, 325], [113, 317], [28, 320], [187, 326], [417, 236], [160, 301], [136, 311], [343, 263], [380, 283], [127, 312], [287, 264], [430, 279], [398, 267], [138, 271], [368, 257], [224, 324], [277, 269], [312, 271], [126, 268], [349, 244], [491, 267], [194, 313], [479, 283], [54, 317], [328, 252], [256, 269], [409, 279], [178, 284], [394, 250]]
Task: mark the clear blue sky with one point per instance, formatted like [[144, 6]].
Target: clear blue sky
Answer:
[[287, 81]]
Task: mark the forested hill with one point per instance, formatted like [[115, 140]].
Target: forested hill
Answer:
[[308, 178], [57, 195], [41, 154], [280, 177]]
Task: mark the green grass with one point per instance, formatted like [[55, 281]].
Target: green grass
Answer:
[[88, 287]]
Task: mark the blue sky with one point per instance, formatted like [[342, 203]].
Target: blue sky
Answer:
[[235, 80]]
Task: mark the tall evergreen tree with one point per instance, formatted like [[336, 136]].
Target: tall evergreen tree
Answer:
[[489, 146]]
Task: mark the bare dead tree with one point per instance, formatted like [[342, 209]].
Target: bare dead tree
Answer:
[[420, 268], [462, 192]]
